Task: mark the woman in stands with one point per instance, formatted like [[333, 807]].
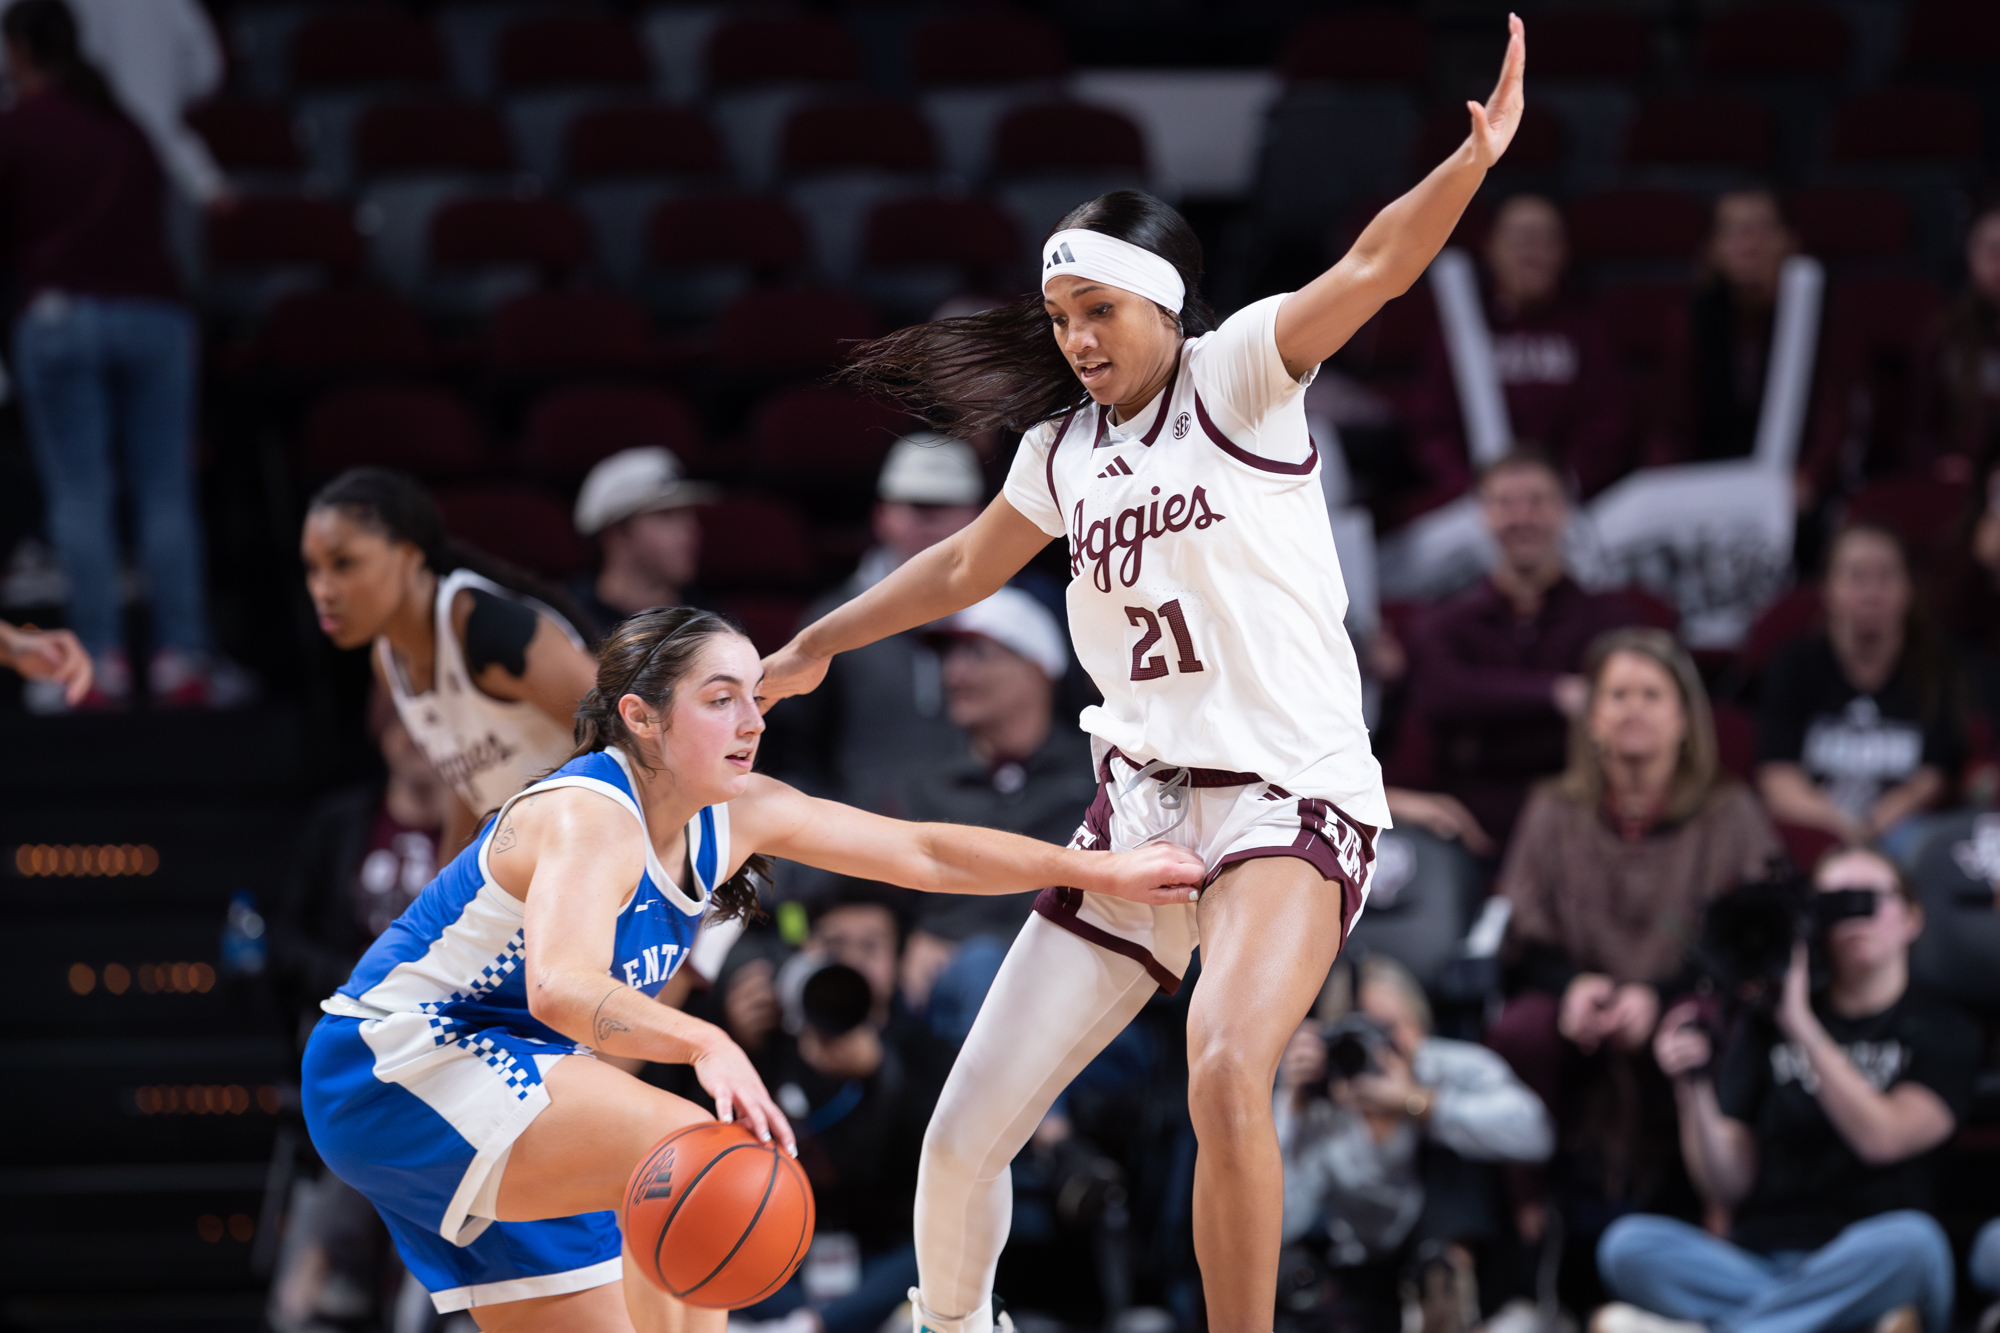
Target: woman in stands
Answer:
[[484, 669], [439, 1082], [1206, 602]]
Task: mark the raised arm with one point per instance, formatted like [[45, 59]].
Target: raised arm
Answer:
[[947, 858], [1395, 249], [576, 856], [964, 568]]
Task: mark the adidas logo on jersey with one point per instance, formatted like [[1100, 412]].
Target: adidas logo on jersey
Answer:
[[1118, 468]]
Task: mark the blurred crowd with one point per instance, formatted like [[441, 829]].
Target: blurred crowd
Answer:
[[1569, 1067]]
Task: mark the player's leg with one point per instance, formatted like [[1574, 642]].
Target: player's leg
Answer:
[[1270, 930], [576, 1157], [598, 1310], [1055, 1004]]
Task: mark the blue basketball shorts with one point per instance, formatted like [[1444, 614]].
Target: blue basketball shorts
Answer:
[[423, 1128]]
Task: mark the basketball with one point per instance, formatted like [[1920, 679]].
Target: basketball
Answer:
[[715, 1218]]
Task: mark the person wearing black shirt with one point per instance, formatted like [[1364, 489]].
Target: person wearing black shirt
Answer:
[[1820, 1130], [1858, 729]]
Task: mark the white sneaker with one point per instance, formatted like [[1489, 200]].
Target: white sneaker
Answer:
[[982, 1320], [1618, 1317]]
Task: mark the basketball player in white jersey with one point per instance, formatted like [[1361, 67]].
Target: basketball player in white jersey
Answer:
[[1206, 603], [485, 676]]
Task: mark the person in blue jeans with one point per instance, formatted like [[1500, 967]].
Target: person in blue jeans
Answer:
[[1819, 1130], [105, 354]]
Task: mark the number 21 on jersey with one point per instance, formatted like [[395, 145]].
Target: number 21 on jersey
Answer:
[[1145, 667]]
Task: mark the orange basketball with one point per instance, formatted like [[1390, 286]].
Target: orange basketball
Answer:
[[716, 1218]]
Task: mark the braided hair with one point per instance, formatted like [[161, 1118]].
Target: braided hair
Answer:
[[648, 656]]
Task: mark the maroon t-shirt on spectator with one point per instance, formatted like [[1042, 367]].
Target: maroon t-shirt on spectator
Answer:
[[1565, 394], [82, 202], [1482, 680]]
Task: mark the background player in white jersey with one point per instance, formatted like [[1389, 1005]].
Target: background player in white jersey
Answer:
[[1206, 602], [441, 1082], [484, 669]]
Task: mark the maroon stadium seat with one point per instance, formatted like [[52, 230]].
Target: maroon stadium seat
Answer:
[[1591, 44], [1922, 510], [783, 331], [1637, 224], [345, 329], [417, 428], [1538, 145], [1952, 37], [432, 135], [1641, 316], [265, 231], [874, 133], [752, 230], [1851, 222], [781, 50], [1873, 356], [1791, 616], [753, 540], [1066, 136], [1359, 44], [1908, 124], [1775, 39], [618, 141], [483, 231], [994, 47], [567, 49], [935, 229], [247, 136], [365, 46], [1702, 129], [520, 524], [770, 619], [572, 429], [564, 333], [1735, 740], [804, 438]]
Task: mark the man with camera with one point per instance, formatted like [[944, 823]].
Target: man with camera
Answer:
[[1818, 1128], [1359, 1103]]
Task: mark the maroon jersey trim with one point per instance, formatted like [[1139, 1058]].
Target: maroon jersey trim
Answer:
[[1245, 456]]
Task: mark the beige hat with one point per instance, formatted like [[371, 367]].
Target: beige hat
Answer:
[[1017, 622], [635, 481], [931, 469]]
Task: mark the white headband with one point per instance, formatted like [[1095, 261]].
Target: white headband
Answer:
[[1092, 254]]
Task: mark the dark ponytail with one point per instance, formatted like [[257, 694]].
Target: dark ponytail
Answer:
[[1001, 369], [46, 30], [649, 655], [396, 505]]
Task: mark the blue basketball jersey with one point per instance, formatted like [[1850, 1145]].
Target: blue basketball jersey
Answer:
[[455, 954]]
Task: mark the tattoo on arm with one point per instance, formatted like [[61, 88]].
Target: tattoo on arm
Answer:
[[505, 839], [603, 1025]]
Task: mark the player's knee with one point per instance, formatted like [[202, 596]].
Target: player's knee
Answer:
[[1223, 1089]]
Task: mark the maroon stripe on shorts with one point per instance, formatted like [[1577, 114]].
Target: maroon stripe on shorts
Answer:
[[1197, 777], [1059, 906], [1317, 850]]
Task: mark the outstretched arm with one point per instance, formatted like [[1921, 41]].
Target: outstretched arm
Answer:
[[1395, 249], [964, 568], [947, 858]]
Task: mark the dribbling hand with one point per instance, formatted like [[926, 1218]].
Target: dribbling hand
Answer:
[[787, 672], [726, 1075], [1156, 874], [1493, 124]]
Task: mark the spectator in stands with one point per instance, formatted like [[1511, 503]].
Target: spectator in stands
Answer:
[[1960, 410], [1494, 669], [1360, 1147], [1984, 1265], [1726, 348], [160, 57], [1608, 876], [53, 658], [639, 508], [881, 708], [1558, 370], [1819, 1127], [1858, 726], [1017, 769], [105, 354], [365, 854]]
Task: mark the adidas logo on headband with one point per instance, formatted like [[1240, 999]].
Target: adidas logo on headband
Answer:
[[1060, 255], [1118, 263]]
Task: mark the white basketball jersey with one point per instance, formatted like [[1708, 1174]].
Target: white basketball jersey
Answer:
[[485, 748], [1206, 599]]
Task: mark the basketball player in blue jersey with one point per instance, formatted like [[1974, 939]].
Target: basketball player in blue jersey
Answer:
[[453, 1079], [1206, 602]]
